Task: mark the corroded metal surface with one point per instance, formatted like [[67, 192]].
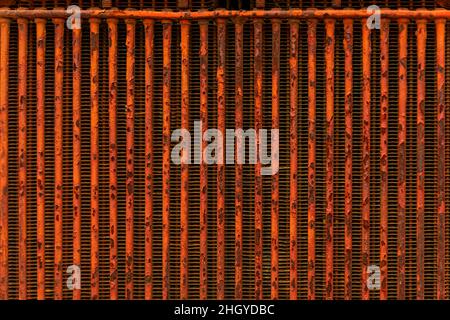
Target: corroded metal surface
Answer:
[[129, 207], [221, 48], [258, 65], [59, 146], [4, 72], [421, 87], [112, 111], [365, 206], [40, 150], [95, 255], [149, 158], [203, 167], [310, 13], [348, 206], [22, 159], [384, 104], [440, 70], [312, 58], [239, 122], [184, 205], [293, 155], [402, 101], [76, 121], [329, 211], [167, 40], [319, 253], [275, 185]]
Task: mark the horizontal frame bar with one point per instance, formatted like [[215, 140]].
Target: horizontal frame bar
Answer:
[[214, 14]]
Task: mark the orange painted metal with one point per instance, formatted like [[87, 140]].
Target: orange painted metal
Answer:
[[76, 120], [258, 87], [40, 149], [22, 157], [184, 205], [312, 58], [384, 104], [329, 211], [4, 73], [421, 94], [129, 198], [149, 160], [203, 167], [365, 207], [440, 84], [275, 185], [112, 111], [221, 42], [310, 13], [402, 102], [293, 156], [348, 205], [221, 18], [239, 123], [95, 255], [167, 40], [59, 173]]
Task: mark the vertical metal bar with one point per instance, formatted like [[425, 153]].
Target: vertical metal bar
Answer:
[[203, 167], [402, 102], [293, 156], [365, 234], [312, 46], [59, 84], [129, 209], [76, 119], [4, 73], [384, 104], [149, 60], [239, 123], [329, 65], [184, 247], [258, 87], [348, 206], [40, 149], [112, 62], [221, 42], [94, 40], [275, 208], [440, 70], [421, 90], [167, 40], [22, 101]]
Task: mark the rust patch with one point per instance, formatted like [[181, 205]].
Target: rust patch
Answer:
[[348, 206], [58, 215], [293, 155], [40, 158], [149, 62], [112, 111], [384, 103], [239, 122], [365, 234]]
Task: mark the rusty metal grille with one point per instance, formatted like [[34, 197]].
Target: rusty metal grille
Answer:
[[326, 56]]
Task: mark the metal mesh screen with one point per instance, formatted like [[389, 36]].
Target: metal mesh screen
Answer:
[[248, 253]]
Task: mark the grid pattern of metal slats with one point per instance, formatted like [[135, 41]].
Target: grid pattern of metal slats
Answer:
[[133, 101]]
